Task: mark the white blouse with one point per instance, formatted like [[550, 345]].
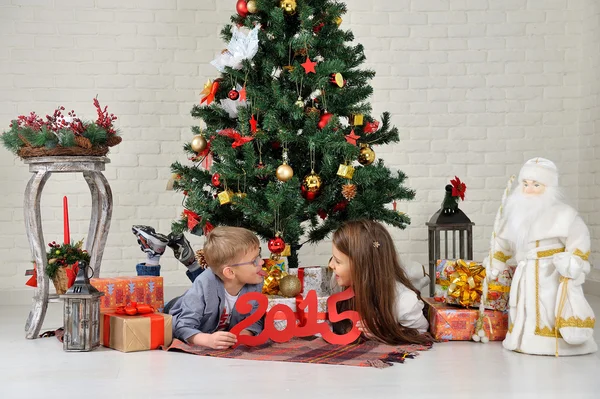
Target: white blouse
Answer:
[[409, 309]]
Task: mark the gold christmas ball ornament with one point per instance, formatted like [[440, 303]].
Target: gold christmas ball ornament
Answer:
[[199, 143], [338, 21], [284, 172], [366, 155], [289, 6], [290, 286], [251, 6], [299, 103], [312, 182]]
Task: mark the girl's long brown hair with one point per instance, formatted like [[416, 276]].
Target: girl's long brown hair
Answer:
[[375, 270]]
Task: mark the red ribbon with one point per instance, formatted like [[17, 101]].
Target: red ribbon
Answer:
[[134, 309], [213, 92], [157, 328], [192, 219], [300, 314]]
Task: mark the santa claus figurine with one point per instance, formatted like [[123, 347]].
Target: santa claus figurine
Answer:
[[548, 313]]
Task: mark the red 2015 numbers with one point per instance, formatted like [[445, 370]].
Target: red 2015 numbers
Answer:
[[293, 329]]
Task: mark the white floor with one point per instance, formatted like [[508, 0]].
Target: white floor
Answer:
[[40, 369]]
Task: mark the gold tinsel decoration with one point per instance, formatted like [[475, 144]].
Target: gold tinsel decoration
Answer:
[[349, 191], [290, 286]]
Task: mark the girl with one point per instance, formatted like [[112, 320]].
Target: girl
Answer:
[[391, 309]]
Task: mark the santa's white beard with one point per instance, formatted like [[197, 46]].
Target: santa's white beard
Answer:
[[522, 211]]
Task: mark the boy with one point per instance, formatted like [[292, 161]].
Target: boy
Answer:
[[154, 245], [205, 313]]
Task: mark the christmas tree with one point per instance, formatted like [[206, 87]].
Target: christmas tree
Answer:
[[284, 123]]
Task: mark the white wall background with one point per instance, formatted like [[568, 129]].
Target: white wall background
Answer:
[[476, 86]]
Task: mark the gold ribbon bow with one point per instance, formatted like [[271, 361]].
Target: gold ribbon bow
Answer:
[[466, 282], [274, 274]]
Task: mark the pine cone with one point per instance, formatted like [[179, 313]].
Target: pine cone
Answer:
[[83, 142], [113, 141], [201, 259], [349, 191]]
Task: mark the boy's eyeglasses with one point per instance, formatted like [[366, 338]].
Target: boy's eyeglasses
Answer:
[[255, 262]]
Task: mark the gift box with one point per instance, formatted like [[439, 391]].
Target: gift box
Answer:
[[317, 278], [135, 333], [281, 321], [460, 282], [448, 322], [120, 291]]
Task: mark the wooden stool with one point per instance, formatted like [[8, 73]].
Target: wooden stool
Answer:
[[42, 168]]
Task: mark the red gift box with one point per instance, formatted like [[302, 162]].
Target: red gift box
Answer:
[[447, 322], [135, 333], [120, 291]]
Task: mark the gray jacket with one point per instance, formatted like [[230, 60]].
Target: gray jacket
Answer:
[[200, 308]]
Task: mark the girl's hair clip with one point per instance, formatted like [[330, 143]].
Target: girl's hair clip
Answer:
[[376, 244]]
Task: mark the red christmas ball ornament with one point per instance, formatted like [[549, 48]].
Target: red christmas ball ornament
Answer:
[[340, 206], [216, 180], [324, 120], [317, 28], [276, 245], [242, 8], [233, 95], [322, 214], [309, 195], [262, 175], [276, 145]]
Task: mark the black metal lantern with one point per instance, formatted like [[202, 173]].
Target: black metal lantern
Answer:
[[81, 314], [443, 228]]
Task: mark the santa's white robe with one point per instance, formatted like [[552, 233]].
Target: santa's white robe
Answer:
[[558, 245]]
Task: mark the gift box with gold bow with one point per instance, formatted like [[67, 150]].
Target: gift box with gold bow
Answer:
[[451, 323], [460, 282]]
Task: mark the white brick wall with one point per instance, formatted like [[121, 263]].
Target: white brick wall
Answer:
[[465, 80], [589, 120]]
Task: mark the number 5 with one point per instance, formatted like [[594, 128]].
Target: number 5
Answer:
[[335, 317]]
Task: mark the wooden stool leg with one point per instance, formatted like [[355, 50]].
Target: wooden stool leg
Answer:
[[101, 216], [33, 227]]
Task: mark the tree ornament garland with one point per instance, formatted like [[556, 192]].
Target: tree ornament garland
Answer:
[[284, 172], [337, 79], [324, 120], [242, 8], [289, 6], [366, 155], [349, 191], [216, 180], [346, 171], [233, 95], [309, 66], [199, 143], [311, 184], [251, 7]]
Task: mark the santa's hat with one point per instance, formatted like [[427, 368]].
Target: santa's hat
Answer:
[[540, 170]]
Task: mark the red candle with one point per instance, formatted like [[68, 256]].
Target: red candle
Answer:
[[67, 233]]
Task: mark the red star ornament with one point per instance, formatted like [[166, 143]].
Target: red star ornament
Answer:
[[253, 124], [351, 138], [309, 66]]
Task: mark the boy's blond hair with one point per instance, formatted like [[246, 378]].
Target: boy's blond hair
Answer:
[[224, 245]]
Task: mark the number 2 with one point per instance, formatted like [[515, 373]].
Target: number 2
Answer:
[[244, 306]]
